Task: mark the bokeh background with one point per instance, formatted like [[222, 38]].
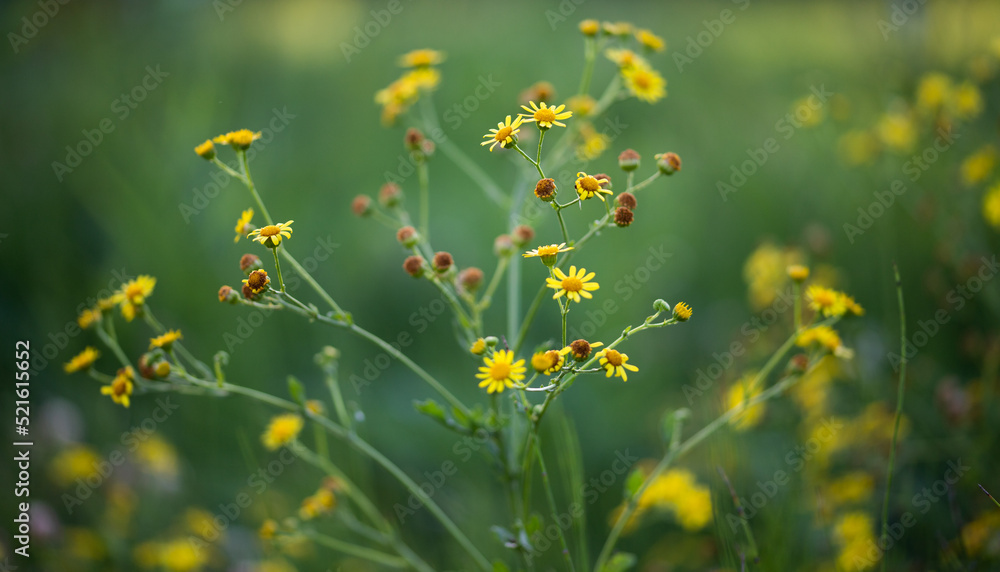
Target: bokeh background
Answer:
[[65, 236]]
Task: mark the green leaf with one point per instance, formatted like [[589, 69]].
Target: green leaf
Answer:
[[296, 390], [619, 562], [431, 409]]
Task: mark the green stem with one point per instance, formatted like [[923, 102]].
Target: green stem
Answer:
[[538, 156], [589, 57], [552, 501], [562, 223], [796, 293], [311, 281], [360, 551], [538, 167], [248, 181], [900, 393], [277, 268], [487, 298], [425, 201]]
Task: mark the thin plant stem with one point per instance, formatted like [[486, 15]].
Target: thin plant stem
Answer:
[[552, 501], [537, 166], [900, 393], [796, 294], [425, 200], [277, 268], [589, 57], [538, 156], [248, 181], [487, 298], [562, 223], [360, 551]]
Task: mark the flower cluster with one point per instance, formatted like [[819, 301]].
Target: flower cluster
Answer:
[[421, 76]]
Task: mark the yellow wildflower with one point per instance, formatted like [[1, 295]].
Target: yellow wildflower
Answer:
[[241, 224], [501, 371], [615, 363], [282, 430], [546, 116], [646, 84], [83, 360], [572, 285], [505, 134], [166, 340], [978, 166], [121, 386], [271, 235], [421, 58]]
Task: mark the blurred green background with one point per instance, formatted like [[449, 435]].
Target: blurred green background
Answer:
[[232, 65]]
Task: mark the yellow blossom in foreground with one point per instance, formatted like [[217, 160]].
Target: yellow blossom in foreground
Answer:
[[991, 206], [546, 116], [825, 300], [501, 371], [646, 84], [978, 166], [271, 235], [282, 430], [738, 395], [421, 58], [241, 224], [615, 363], [682, 312], [134, 293], [166, 340], [82, 361], [505, 134], [572, 285], [548, 253]]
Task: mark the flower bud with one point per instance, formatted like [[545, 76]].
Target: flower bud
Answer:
[[682, 312], [248, 293], [798, 273], [503, 245], [162, 368], [407, 236], [668, 163], [478, 347], [580, 349], [361, 205], [413, 139], [414, 266], [623, 217], [545, 189], [470, 279], [590, 28], [522, 235], [249, 263], [390, 195], [327, 356], [491, 341], [628, 160], [660, 305], [442, 262], [206, 150], [258, 281], [627, 200], [226, 294]]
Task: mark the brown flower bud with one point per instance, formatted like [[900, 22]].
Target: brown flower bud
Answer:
[[627, 200], [669, 163], [522, 235], [414, 266], [470, 279], [545, 189], [503, 245], [361, 205], [623, 217], [413, 139], [226, 294], [442, 262], [390, 195], [407, 236], [604, 180], [249, 263], [628, 160], [580, 350]]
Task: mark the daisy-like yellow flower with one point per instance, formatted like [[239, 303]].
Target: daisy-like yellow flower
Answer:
[[82, 361], [270, 236], [626, 59], [822, 335], [423, 78], [505, 134], [282, 430], [478, 347], [240, 140], [546, 116], [134, 293], [615, 363], [548, 362], [501, 371], [587, 187], [650, 41], [991, 206], [646, 84], [241, 224], [421, 58], [88, 317], [572, 285], [166, 340], [548, 253], [826, 300], [121, 386], [257, 281]]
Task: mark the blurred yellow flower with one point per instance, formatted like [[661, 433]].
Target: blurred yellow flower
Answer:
[[626, 59], [646, 84], [85, 544], [592, 143], [977, 534], [282, 429], [165, 340], [896, 131], [806, 113], [650, 41], [157, 456], [978, 166], [88, 317], [858, 147], [72, 463], [933, 91], [854, 487], [241, 224], [967, 101], [133, 295], [121, 386], [765, 272], [320, 503], [740, 393], [827, 301], [582, 105], [991, 206], [421, 58], [82, 361], [240, 140], [181, 556]]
